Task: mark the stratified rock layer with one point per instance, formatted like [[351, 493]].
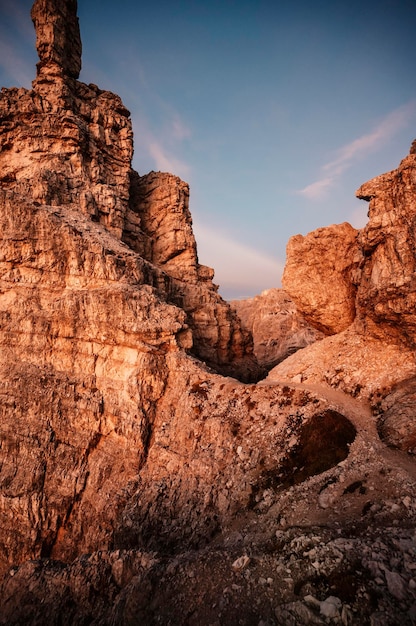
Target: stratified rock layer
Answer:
[[68, 144], [278, 329], [137, 485], [58, 39], [386, 301]]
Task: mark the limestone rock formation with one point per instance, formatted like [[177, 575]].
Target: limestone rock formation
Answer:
[[376, 351], [58, 39], [278, 329], [159, 227], [136, 483], [397, 421], [320, 274], [386, 298], [87, 321], [65, 143]]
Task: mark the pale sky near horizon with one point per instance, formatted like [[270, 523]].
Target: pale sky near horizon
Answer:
[[274, 112]]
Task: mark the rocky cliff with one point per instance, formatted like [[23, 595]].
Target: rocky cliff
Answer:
[[65, 143], [138, 483], [277, 327]]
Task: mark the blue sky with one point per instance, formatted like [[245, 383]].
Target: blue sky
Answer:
[[274, 112]]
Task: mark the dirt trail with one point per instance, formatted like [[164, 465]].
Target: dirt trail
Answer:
[[359, 412]]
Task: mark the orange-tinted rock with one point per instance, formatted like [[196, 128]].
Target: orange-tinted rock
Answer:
[[115, 441], [320, 275], [68, 144], [58, 40], [277, 327], [397, 421], [386, 301]]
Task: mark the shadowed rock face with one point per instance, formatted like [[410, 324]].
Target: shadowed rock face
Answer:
[[397, 421], [277, 327], [58, 40]]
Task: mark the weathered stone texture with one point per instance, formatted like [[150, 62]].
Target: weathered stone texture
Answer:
[[74, 148], [277, 327], [397, 421], [159, 226], [386, 299], [68, 144], [58, 39], [320, 275], [120, 452]]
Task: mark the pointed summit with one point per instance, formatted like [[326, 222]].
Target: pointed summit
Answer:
[[58, 40]]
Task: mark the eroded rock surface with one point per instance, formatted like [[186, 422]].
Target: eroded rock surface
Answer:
[[137, 484], [320, 275], [376, 351], [58, 40], [397, 421], [65, 143], [277, 327], [386, 296]]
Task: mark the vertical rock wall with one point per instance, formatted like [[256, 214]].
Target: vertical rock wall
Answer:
[[65, 143]]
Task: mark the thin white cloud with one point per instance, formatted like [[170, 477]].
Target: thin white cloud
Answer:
[[358, 149], [240, 270], [179, 129], [318, 189], [166, 162]]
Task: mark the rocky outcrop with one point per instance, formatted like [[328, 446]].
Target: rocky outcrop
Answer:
[[397, 421], [137, 484], [376, 351], [278, 329], [320, 275], [68, 144], [87, 321], [386, 298], [159, 227], [337, 275], [58, 40]]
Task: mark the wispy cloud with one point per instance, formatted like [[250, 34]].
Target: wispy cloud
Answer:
[[358, 149], [240, 270], [165, 161], [318, 189]]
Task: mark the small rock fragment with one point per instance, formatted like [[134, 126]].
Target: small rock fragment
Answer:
[[241, 563]]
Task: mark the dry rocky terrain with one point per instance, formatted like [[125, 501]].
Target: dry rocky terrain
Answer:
[[167, 457]]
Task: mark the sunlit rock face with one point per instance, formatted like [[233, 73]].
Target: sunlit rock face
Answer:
[[277, 327], [375, 275], [100, 287], [337, 275], [320, 273], [65, 143], [136, 483], [386, 299], [58, 40]]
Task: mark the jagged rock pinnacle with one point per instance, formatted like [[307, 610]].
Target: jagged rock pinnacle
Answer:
[[58, 40]]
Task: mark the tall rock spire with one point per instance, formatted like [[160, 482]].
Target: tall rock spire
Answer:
[[58, 40]]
